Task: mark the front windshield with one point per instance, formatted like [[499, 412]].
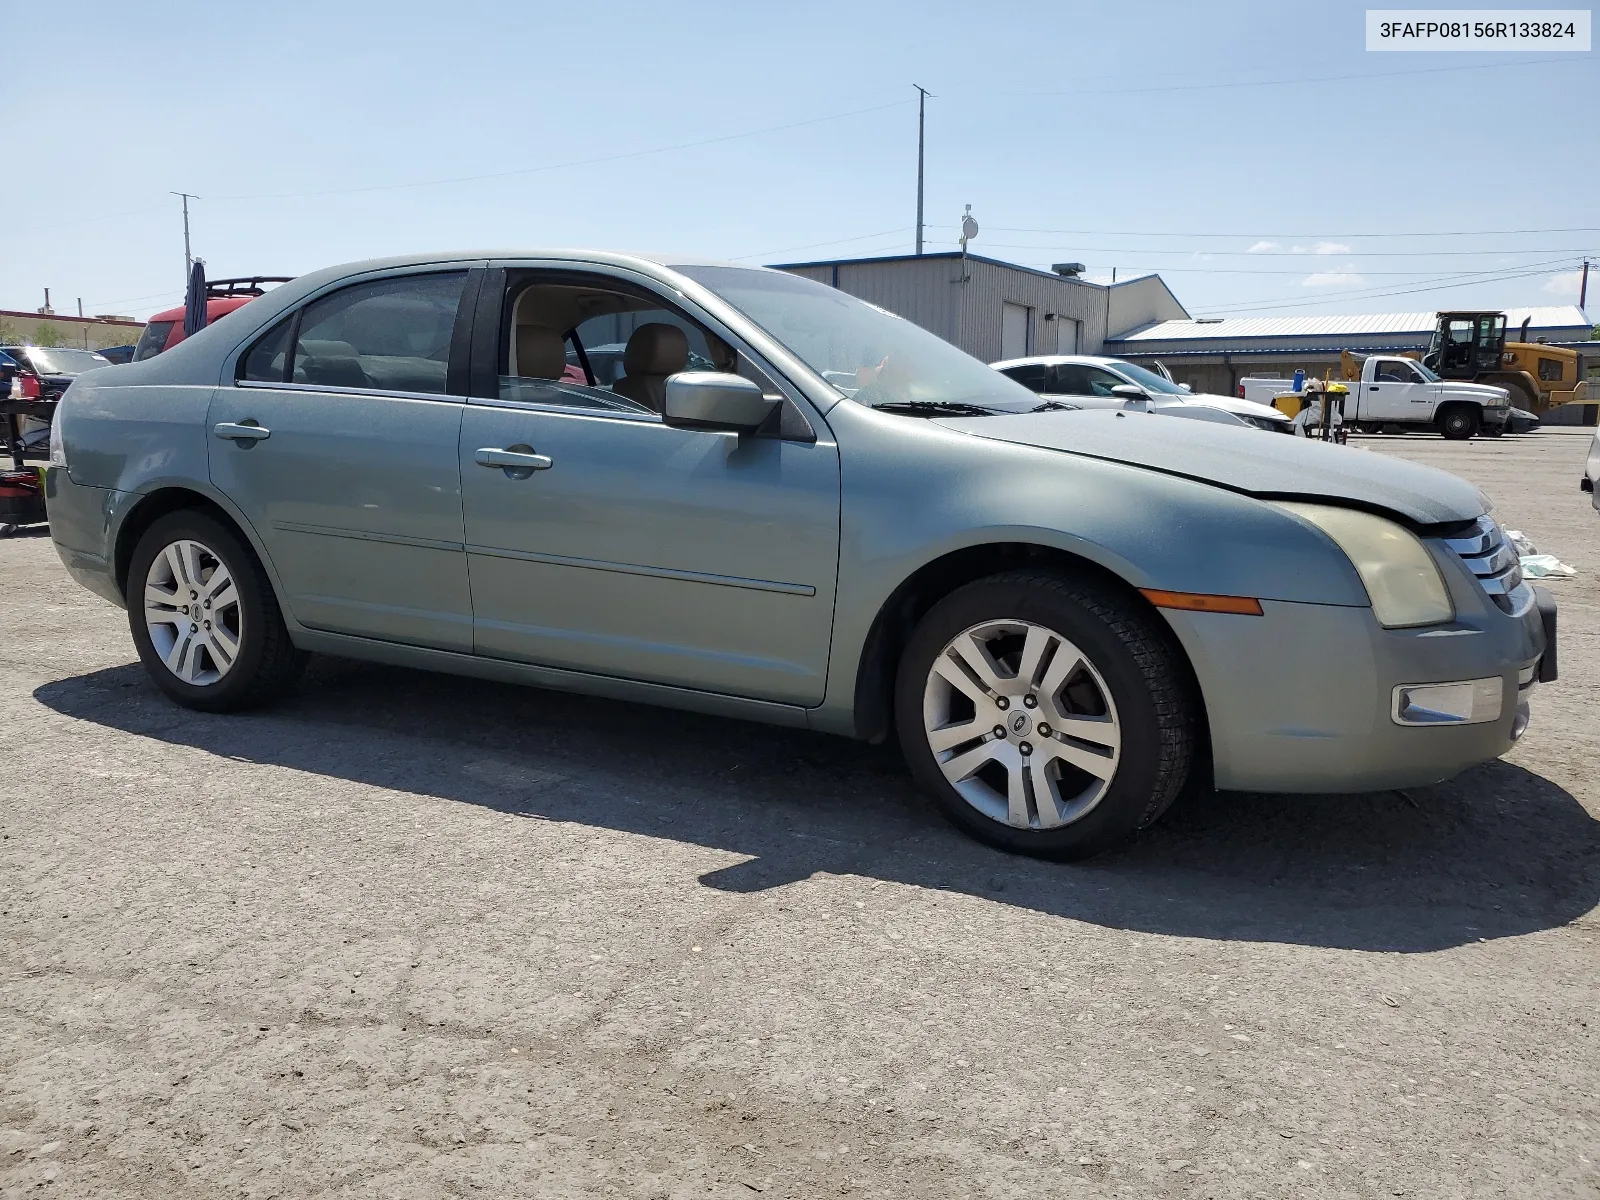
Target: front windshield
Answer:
[[1148, 380], [54, 360], [1426, 373], [869, 355]]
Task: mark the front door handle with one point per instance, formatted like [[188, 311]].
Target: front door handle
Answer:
[[243, 431], [514, 457]]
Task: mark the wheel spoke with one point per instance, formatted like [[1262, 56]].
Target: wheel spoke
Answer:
[[946, 669], [1093, 731], [963, 766], [176, 567], [1017, 794], [975, 656], [1034, 648], [224, 646], [158, 600], [1062, 667], [191, 552], [1101, 766], [219, 589], [948, 737], [179, 659], [1044, 795]]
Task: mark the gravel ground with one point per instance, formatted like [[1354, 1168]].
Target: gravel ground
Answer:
[[411, 936]]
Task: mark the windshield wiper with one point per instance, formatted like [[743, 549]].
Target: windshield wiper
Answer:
[[936, 408], [1056, 406]]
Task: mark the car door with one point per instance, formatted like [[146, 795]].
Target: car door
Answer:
[[627, 547], [339, 442], [1398, 392]]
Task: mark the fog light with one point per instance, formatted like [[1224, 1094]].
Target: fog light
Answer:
[[1472, 702]]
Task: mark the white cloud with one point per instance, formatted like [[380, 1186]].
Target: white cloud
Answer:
[[1564, 285], [1330, 248], [1263, 248], [1331, 279], [1297, 249]]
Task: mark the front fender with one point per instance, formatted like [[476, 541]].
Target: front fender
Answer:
[[914, 492]]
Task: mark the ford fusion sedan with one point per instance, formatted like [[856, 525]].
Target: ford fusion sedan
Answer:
[[837, 521], [1089, 381]]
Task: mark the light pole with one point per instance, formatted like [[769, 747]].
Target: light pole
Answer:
[[188, 258], [922, 106]]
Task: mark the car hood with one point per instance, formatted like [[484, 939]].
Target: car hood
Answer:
[[1487, 390], [1233, 404], [1242, 460]]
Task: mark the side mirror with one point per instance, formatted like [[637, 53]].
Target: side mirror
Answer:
[[1186, 387], [1129, 391], [714, 400]]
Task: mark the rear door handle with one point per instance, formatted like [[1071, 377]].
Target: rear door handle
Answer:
[[514, 458], [241, 432]]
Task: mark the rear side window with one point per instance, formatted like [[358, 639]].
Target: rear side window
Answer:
[[391, 335], [153, 340], [1029, 375], [264, 361]]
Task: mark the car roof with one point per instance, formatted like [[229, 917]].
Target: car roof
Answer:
[[1087, 360]]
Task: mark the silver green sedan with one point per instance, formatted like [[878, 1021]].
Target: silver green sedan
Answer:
[[735, 491]]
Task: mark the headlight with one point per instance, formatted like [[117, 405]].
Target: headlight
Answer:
[[1402, 582], [58, 448]]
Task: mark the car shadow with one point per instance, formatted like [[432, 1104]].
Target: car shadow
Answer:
[[1497, 852]]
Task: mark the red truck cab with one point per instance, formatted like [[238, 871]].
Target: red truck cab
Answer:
[[165, 330]]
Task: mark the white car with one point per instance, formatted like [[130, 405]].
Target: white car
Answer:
[[1591, 471], [1089, 381]]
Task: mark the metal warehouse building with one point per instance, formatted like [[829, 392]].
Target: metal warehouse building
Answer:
[[1214, 355], [993, 309]]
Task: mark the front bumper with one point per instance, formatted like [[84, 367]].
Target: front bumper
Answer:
[[1301, 699]]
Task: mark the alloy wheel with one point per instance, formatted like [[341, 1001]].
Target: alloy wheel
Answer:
[[1021, 724], [192, 612]]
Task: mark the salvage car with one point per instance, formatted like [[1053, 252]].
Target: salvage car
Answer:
[[1591, 470], [849, 525], [1092, 381]]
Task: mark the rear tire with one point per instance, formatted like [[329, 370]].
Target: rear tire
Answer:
[[1459, 422], [1045, 715], [196, 588]]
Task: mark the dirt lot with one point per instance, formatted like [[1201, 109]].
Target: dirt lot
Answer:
[[409, 936]]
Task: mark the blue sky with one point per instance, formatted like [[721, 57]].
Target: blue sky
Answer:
[[1138, 136]]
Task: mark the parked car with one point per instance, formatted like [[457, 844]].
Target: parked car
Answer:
[[1089, 381], [42, 374], [223, 296], [117, 354], [1591, 470], [51, 368], [1392, 390], [852, 527], [1520, 420]]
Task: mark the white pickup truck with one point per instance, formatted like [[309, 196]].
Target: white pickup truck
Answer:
[[1401, 391]]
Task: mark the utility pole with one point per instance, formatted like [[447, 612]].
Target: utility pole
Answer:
[[188, 258], [1583, 284], [922, 107]]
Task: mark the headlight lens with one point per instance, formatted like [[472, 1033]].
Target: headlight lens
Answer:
[[1400, 576]]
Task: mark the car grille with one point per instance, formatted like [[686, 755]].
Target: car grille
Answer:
[[1491, 558]]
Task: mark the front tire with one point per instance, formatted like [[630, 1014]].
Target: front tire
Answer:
[[204, 617], [1045, 715], [1459, 422]]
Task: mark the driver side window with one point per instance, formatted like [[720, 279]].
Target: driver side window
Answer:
[[584, 343]]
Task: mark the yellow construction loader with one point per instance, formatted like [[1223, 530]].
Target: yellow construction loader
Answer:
[[1472, 346]]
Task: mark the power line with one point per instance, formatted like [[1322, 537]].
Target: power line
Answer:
[[579, 162], [1303, 79], [1291, 236], [1442, 284], [1301, 254], [814, 245]]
